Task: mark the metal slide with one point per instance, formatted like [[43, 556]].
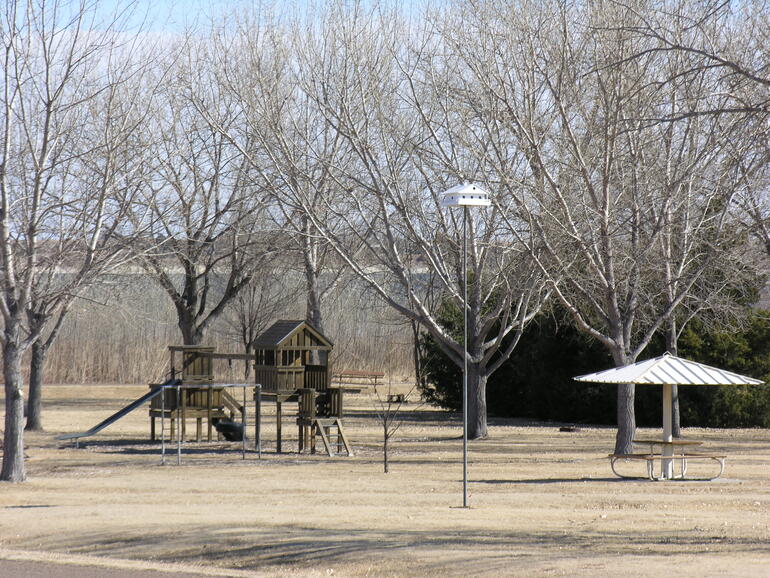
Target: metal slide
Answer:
[[114, 417]]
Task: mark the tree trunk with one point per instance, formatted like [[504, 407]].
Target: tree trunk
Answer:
[[417, 358], [13, 469], [477, 402], [671, 347], [626, 419], [313, 309], [626, 414], [310, 249], [385, 449], [191, 334], [34, 401], [247, 370], [313, 304]]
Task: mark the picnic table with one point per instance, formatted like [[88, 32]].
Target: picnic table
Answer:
[[670, 453], [668, 371], [356, 381]]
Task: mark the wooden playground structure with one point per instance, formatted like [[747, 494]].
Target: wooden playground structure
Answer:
[[207, 402], [291, 364]]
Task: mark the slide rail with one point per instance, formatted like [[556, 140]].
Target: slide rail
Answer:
[[115, 416]]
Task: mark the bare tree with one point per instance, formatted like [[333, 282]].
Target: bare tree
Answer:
[[285, 139], [388, 409], [56, 230], [729, 41], [716, 47], [87, 239], [207, 221], [559, 79], [391, 202], [701, 179], [267, 297]]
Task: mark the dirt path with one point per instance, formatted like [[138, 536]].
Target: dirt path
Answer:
[[23, 564]]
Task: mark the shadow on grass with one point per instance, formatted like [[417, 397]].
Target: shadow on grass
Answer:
[[297, 547], [538, 481], [406, 415]]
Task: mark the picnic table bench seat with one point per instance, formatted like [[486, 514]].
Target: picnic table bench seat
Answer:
[[356, 381], [682, 458]]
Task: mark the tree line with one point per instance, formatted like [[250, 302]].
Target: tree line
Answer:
[[537, 380], [624, 146]]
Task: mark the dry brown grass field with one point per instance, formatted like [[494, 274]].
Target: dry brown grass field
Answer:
[[121, 335], [543, 502]]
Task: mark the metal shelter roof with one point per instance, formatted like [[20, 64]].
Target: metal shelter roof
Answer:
[[669, 370]]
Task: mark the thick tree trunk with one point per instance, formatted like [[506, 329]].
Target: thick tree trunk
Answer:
[[416, 357], [313, 309], [676, 424], [477, 402], [310, 249], [34, 401], [625, 413], [313, 306], [671, 347], [626, 419], [191, 334], [13, 469], [315, 319]]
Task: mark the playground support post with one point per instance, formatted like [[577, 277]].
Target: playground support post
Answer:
[[178, 427], [258, 421], [162, 425], [244, 422]]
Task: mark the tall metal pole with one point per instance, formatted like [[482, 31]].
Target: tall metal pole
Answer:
[[258, 420], [465, 196], [465, 358]]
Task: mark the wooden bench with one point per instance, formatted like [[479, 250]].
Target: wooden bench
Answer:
[[650, 458], [356, 381]]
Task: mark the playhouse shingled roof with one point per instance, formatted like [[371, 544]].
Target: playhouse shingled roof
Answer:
[[282, 329]]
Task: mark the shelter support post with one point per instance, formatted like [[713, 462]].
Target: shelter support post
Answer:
[[209, 403], [667, 463]]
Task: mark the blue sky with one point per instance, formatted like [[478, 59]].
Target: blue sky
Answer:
[[169, 15], [175, 15]]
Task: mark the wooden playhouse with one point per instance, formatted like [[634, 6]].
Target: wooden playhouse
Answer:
[[292, 355], [292, 364]]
